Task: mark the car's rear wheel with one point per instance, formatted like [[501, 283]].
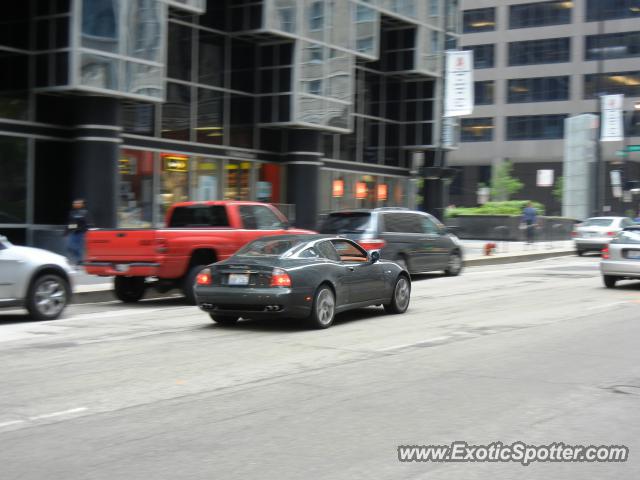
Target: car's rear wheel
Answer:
[[48, 296], [454, 265], [222, 320], [401, 296], [323, 310], [609, 281], [189, 284], [129, 289]]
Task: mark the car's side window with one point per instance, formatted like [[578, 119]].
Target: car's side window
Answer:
[[349, 253], [248, 219], [266, 219], [428, 226], [327, 250], [626, 222], [310, 253], [402, 223]]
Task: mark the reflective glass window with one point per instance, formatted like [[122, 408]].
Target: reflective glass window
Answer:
[[135, 203], [535, 127], [479, 20], [476, 129], [13, 181]]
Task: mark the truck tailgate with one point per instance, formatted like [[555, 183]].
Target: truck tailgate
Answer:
[[122, 245]]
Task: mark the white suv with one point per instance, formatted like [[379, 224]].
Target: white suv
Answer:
[[35, 279]]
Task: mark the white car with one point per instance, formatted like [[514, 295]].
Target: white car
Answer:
[[621, 259], [35, 279], [595, 233]]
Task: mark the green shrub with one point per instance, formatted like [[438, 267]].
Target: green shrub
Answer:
[[511, 207]]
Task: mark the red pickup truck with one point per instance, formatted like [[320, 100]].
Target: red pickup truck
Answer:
[[197, 234]]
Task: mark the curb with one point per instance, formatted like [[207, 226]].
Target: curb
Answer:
[[106, 294], [501, 260]]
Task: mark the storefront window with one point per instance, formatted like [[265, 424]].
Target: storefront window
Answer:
[[205, 181], [135, 206], [343, 191], [174, 180], [238, 186]]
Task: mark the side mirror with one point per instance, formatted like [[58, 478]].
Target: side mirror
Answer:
[[374, 256]]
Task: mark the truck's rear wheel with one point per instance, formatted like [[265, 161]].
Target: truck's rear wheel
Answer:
[[129, 289], [189, 283]]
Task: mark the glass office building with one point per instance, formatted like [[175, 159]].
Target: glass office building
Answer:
[[314, 105]]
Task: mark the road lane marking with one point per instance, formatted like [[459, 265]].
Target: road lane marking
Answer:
[[58, 414], [12, 422], [415, 344], [606, 305]]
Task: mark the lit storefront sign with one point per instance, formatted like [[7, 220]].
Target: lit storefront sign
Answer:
[[337, 190], [127, 166], [383, 191], [175, 163], [361, 190]]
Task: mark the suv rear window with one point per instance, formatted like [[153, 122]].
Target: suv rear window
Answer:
[[199, 216], [346, 222], [597, 222]]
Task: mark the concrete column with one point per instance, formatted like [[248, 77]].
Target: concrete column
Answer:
[[303, 176], [95, 151]]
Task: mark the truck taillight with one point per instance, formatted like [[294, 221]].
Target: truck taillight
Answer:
[[372, 244], [280, 278], [611, 234], [162, 245], [605, 253], [204, 277]]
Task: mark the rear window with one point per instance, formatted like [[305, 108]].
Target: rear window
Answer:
[[268, 247], [346, 222], [627, 236], [199, 216], [597, 222]]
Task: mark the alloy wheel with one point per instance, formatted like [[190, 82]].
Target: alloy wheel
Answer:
[[50, 297], [402, 293], [325, 306]]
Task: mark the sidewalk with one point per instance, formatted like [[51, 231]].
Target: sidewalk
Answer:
[[89, 288]]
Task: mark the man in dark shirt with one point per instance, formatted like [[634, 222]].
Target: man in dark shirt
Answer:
[[77, 226], [529, 218]]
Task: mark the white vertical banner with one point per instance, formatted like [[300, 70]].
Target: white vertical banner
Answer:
[[458, 99], [612, 129]]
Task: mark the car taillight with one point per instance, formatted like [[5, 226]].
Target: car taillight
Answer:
[[162, 245], [372, 244], [574, 234], [280, 278], [605, 252], [611, 234], [204, 277]]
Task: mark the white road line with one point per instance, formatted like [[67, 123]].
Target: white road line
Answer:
[[58, 414], [12, 422], [605, 305], [422, 342]]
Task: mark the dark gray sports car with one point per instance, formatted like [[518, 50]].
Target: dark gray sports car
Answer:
[[309, 277]]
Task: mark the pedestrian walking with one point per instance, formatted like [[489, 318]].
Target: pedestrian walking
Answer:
[[77, 226], [529, 220]]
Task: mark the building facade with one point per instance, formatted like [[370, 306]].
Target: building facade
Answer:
[[536, 63], [315, 105]]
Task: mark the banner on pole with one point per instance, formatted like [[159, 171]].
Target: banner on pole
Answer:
[[458, 100], [612, 129]]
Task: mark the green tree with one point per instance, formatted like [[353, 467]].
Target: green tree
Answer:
[[558, 189], [503, 184]]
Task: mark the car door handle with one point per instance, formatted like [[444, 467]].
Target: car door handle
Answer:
[[351, 269]]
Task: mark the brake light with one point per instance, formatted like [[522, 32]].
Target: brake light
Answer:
[[372, 244], [280, 278], [162, 245], [611, 234], [574, 234], [204, 277], [605, 253]]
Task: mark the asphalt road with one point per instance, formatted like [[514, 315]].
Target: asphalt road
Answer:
[[537, 352]]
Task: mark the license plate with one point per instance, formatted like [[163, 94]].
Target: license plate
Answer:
[[122, 267], [238, 279], [634, 254]]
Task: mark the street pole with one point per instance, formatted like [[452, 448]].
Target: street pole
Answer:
[[599, 184]]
